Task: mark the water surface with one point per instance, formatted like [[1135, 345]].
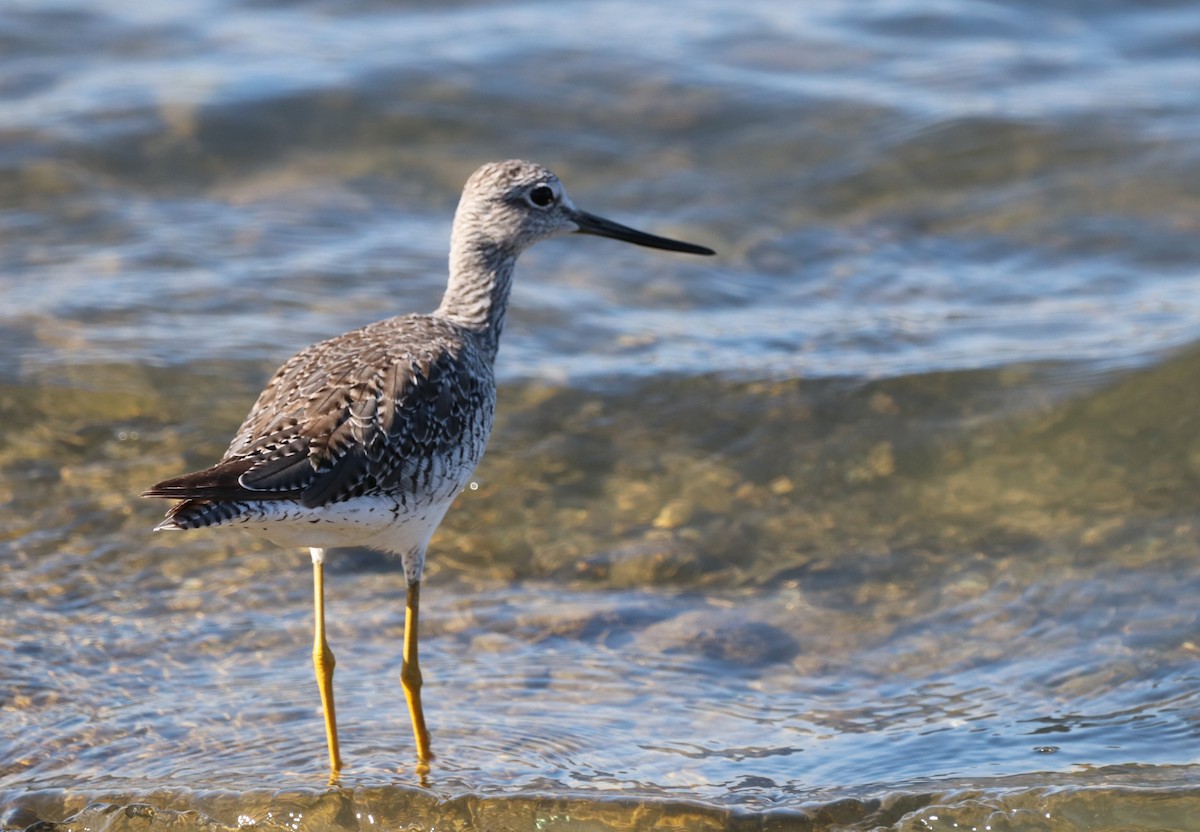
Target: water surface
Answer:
[[883, 518]]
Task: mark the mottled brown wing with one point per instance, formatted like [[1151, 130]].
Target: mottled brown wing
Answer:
[[364, 411]]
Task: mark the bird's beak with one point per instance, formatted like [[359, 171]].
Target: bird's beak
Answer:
[[591, 224]]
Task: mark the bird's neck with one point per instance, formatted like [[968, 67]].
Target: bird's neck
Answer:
[[477, 294]]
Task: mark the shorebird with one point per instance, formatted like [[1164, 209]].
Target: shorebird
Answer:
[[367, 438]]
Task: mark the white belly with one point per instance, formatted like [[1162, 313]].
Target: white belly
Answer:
[[372, 522]]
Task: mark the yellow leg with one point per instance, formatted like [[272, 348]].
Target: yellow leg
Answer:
[[323, 662], [410, 673]]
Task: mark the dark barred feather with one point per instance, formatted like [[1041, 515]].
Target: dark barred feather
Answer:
[[375, 410]]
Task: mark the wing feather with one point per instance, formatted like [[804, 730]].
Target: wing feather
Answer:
[[367, 410]]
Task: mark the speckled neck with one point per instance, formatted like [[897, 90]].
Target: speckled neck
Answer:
[[480, 281]]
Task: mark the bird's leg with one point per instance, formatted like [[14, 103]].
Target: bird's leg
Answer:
[[323, 661], [410, 672]]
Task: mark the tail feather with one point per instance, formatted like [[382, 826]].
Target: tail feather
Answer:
[[218, 483], [209, 497], [198, 514]]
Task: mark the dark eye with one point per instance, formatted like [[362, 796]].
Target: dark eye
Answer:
[[541, 196]]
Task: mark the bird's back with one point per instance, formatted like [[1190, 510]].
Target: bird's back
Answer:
[[400, 409]]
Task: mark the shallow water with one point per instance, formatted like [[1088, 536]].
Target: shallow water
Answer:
[[883, 518]]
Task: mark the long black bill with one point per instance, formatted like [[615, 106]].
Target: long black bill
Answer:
[[591, 224]]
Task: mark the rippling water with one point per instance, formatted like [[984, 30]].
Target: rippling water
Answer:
[[884, 518]]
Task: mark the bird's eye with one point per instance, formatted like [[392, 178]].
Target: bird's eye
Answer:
[[542, 196]]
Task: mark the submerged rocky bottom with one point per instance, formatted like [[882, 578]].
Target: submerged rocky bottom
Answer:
[[998, 807], [944, 601]]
